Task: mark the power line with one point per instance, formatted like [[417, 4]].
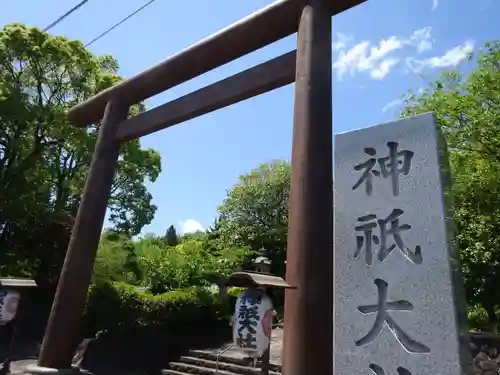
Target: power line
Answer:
[[119, 23], [65, 15]]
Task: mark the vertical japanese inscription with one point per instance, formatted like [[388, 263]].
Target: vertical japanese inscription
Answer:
[[396, 163], [388, 228], [392, 182], [248, 319]]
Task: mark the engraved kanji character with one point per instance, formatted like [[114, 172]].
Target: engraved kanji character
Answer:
[[396, 163], [381, 308], [368, 171], [388, 226], [377, 370], [392, 165], [365, 240]]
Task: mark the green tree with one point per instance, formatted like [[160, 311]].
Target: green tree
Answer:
[[467, 108], [43, 158], [171, 238], [255, 213], [188, 264], [198, 236], [38, 251], [117, 260]]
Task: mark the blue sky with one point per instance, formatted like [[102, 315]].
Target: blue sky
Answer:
[[380, 50]]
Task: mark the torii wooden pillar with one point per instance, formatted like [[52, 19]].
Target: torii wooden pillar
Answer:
[[308, 340]]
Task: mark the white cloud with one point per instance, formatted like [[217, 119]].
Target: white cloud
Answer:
[[383, 69], [435, 4], [380, 58], [190, 226], [340, 42], [361, 58], [392, 104], [450, 59], [421, 39], [376, 59], [350, 60]]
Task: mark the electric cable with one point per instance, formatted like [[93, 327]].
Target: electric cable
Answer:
[[76, 7], [119, 23]]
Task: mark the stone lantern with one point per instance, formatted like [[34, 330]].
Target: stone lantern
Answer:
[[262, 264]]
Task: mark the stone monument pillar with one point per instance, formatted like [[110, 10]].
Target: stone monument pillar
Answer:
[[398, 297]]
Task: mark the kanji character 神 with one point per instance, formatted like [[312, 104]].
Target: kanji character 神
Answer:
[[398, 162]]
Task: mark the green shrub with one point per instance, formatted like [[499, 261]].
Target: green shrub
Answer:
[[121, 307], [158, 327], [478, 318]]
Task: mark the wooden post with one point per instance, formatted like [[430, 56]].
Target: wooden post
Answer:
[[265, 361], [308, 332], [61, 334]]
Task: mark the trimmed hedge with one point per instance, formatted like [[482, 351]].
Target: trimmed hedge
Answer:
[[151, 328], [119, 306]]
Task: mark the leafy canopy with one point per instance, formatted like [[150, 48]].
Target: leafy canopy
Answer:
[[255, 213], [467, 108], [44, 159]]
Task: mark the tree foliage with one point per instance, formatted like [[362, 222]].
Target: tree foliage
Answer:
[[187, 264], [255, 213], [151, 263], [117, 260], [467, 108], [43, 158], [171, 237]]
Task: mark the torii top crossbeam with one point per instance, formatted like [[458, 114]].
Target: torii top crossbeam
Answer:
[[270, 24]]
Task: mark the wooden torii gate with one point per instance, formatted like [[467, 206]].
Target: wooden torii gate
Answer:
[[308, 339]]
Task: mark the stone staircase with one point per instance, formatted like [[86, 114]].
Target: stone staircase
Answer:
[[204, 362]]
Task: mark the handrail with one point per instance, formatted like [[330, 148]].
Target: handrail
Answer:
[[219, 354]]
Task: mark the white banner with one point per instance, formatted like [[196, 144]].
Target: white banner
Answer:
[[253, 318], [9, 300]]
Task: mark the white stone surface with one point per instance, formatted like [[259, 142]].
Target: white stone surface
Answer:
[[437, 317]]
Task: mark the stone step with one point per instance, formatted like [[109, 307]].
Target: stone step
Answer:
[[237, 360], [173, 372], [227, 366], [185, 368]]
